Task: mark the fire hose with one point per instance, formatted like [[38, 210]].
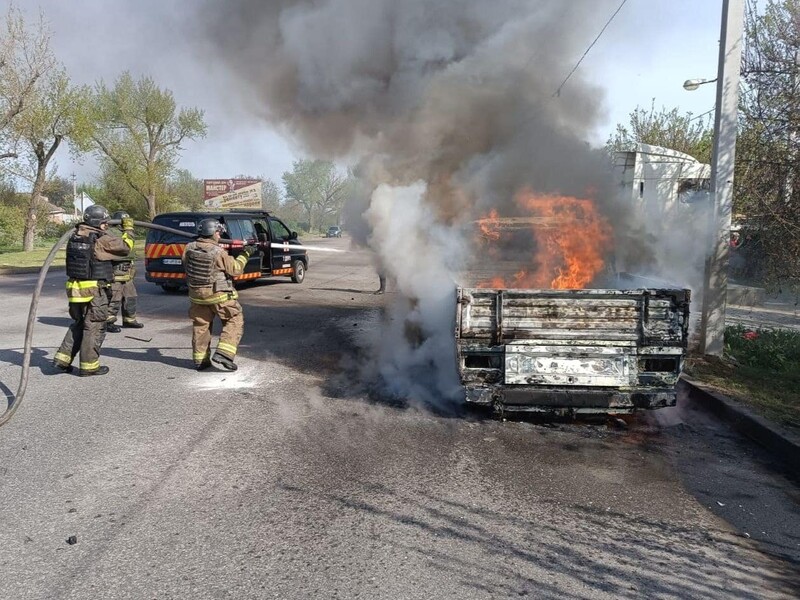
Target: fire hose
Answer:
[[15, 402]]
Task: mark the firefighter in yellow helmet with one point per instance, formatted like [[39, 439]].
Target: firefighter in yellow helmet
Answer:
[[209, 275], [123, 290], [90, 252]]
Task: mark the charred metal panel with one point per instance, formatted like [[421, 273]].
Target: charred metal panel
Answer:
[[621, 348], [575, 365]]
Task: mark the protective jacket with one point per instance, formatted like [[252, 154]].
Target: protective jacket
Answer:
[[124, 269], [89, 254], [210, 271]]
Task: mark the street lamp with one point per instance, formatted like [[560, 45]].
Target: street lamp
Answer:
[[692, 84]]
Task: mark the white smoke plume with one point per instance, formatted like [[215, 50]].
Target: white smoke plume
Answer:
[[416, 355]]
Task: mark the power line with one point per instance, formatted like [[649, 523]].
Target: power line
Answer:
[[577, 64], [701, 115]]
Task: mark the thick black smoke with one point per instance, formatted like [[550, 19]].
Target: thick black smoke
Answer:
[[448, 108], [456, 93]]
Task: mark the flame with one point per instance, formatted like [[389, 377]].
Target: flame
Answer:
[[490, 226], [572, 237]]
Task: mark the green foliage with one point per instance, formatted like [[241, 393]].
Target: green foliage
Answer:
[[139, 134], [25, 57], [665, 128], [12, 221], [184, 192], [318, 188], [59, 192], [53, 231], [56, 111], [767, 181], [270, 196], [775, 350]]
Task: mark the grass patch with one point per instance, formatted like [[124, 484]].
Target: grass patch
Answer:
[[14, 257], [761, 369]]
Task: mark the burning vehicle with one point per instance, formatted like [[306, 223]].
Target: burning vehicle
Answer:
[[539, 339], [571, 351]]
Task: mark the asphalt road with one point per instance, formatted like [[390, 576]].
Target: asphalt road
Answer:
[[296, 478]]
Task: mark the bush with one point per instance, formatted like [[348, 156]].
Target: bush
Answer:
[[12, 223], [53, 231], [773, 350]]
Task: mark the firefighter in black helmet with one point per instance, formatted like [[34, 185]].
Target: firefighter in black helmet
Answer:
[[90, 252], [123, 290], [209, 274]]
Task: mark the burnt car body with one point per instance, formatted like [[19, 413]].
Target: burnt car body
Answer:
[[571, 351]]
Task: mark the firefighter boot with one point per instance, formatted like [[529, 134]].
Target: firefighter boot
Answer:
[[113, 328], [133, 324], [97, 371], [223, 360]]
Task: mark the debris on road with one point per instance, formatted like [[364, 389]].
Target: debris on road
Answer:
[[72, 540], [138, 339]]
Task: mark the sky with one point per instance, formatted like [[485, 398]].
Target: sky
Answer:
[[644, 56]]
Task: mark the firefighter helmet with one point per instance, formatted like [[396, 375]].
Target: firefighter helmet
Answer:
[[119, 215], [208, 227], [95, 215]]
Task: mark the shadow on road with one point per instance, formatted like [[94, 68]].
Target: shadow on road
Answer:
[[637, 557]]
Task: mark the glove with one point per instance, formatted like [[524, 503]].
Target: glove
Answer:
[[127, 224], [249, 250]]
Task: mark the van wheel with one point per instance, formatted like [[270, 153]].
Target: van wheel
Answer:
[[298, 271], [170, 288]]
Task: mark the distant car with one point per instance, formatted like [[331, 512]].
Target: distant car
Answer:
[[334, 231]]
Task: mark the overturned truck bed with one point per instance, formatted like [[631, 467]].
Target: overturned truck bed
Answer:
[[571, 351]]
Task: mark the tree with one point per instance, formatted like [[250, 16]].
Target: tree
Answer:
[[113, 191], [668, 129], [317, 187], [56, 111], [185, 190], [140, 131], [25, 57], [270, 195], [767, 192], [59, 192]]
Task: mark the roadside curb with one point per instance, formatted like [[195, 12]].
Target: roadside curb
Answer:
[[775, 439], [23, 270]]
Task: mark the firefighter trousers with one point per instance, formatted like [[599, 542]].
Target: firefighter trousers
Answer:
[[86, 332], [123, 295], [202, 315]]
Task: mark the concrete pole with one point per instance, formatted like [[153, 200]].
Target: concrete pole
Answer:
[[715, 288]]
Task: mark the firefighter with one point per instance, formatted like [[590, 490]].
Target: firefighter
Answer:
[[123, 290], [90, 252], [209, 275]]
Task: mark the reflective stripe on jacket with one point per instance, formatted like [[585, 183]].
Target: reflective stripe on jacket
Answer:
[[106, 248]]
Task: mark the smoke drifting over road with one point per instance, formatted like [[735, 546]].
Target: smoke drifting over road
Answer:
[[448, 106]]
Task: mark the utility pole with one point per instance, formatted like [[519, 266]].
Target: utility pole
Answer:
[[715, 284]]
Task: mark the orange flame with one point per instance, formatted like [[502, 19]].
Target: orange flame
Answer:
[[490, 226], [572, 238]]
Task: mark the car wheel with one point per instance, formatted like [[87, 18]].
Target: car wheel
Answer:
[[298, 271]]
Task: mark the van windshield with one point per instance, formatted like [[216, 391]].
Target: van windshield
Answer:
[[187, 223]]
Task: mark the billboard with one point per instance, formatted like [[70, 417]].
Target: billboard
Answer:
[[232, 193]]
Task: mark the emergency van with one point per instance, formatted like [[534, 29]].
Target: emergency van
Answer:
[[163, 251]]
